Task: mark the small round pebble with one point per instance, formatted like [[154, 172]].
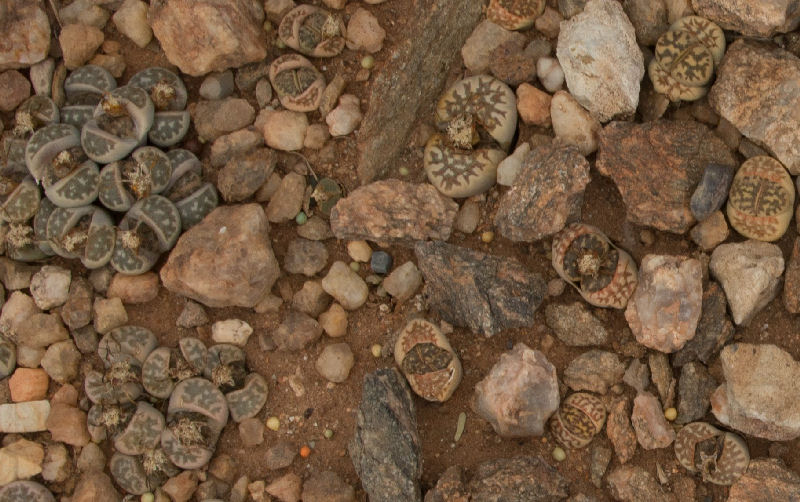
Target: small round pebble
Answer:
[[301, 218], [273, 423], [559, 455], [381, 262], [354, 266], [367, 62], [148, 497], [328, 433], [335, 362], [359, 251], [555, 287], [376, 350], [487, 236], [670, 414], [647, 237], [403, 171]]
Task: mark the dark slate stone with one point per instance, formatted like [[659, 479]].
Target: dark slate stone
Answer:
[[712, 191], [484, 293], [380, 262], [694, 390], [386, 450], [714, 329]]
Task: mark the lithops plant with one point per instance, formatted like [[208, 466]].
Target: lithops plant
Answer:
[[107, 420], [685, 58], [8, 357], [118, 384], [719, 457], [514, 14], [87, 233], [87, 84], [138, 475], [761, 199], [312, 31], [148, 229], [196, 414], [142, 432], [298, 84], [193, 198], [164, 367], [25, 491], [579, 418], [34, 113], [603, 274], [460, 173], [121, 183], [20, 197], [120, 124], [126, 343], [248, 401], [171, 120], [225, 367], [427, 360]]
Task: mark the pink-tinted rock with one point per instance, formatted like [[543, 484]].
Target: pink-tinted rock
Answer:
[[26, 34], [533, 105], [652, 429], [765, 479], [620, 432], [751, 19], [28, 384], [791, 285], [68, 425], [95, 486], [519, 394], [665, 308], [634, 484]]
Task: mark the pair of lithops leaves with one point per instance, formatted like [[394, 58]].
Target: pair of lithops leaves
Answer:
[[761, 199], [578, 420], [686, 57], [720, 457], [312, 31], [297, 82], [478, 118], [8, 357], [222, 364], [115, 120], [427, 360], [603, 274], [25, 491], [514, 14]]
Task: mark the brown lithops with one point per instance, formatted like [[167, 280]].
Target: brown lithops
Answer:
[[427, 360], [297, 82], [579, 418], [761, 199], [603, 274], [514, 14], [719, 457], [460, 173], [685, 58], [312, 31]]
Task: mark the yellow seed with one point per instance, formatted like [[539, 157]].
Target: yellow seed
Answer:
[[273, 423], [354, 266], [403, 171], [328, 433], [367, 62], [487, 236], [559, 454], [670, 414], [147, 497], [376, 350]]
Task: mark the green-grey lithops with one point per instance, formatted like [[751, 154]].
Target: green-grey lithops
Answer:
[[87, 84], [51, 146], [122, 183], [33, 114], [171, 120], [225, 367], [248, 401], [120, 124], [106, 420], [312, 31], [20, 198], [118, 384], [142, 432], [148, 229], [298, 84], [86, 233], [193, 197], [126, 343], [165, 367], [25, 491]]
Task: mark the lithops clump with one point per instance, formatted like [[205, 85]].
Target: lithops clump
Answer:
[[168, 94], [196, 414], [20, 197], [123, 351], [460, 173], [165, 367], [719, 457], [84, 89], [225, 367], [514, 14], [312, 31], [25, 491], [427, 360], [118, 384], [297, 82], [761, 199], [146, 172], [603, 274], [126, 343], [149, 228], [579, 418], [120, 124], [19, 242], [107, 420], [87, 233], [685, 58], [193, 198]]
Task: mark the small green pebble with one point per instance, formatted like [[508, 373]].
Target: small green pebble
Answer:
[[279, 44], [354, 266], [403, 171], [147, 497], [328, 433], [301, 218], [559, 454], [367, 62], [376, 350], [273, 423]]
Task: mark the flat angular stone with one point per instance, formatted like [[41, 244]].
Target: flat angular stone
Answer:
[[766, 479], [575, 325], [694, 388], [484, 293], [652, 429], [510, 478], [594, 371], [751, 19], [30, 416]]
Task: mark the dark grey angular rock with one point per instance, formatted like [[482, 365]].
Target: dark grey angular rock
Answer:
[[386, 450], [694, 390], [484, 293], [714, 329], [525, 478], [712, 190], [380, 262]]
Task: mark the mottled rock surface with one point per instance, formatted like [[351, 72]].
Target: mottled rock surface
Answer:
[[791, 285], [575, 325], [225, 260], [526, 478], [756, 90], [386, 449], [601, 62], [620, 432], [410, 79], [634, 484], [594, 371], [394, 212], [765, 479], [485, 293], [694, 389], [751, 19], [640, 158], [714, 329], [652, 429], [546, 194], [26, 34]]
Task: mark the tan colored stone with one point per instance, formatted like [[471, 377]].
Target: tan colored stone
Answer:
[[28, 384]]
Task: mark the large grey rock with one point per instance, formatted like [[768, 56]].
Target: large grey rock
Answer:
[[751, 19], [225, 260], [484, 39], [484, 293], [386, 449], [756, 87], [750, 274], [519, 394], [761, 393], [601, 62]]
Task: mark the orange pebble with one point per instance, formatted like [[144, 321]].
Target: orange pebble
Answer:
[[305, 451]]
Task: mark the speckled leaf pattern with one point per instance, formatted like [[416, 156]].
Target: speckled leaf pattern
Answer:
[[21, 204], [761, 199], [89, 78], [46, 143], [126, 341], [79, 188], [162, 216], [130, 262], [297, 82], [194, 351], [99, 390], [155, 373], [100, 241], [77, 115], [25, 491], [183, 456], [312, 31], [169, 128], [8, 357], [61, 221], [46, 208], [129, 474], [103, 147], [143, 431], [200, 396], [247, 402], [158, 165], [112, 191], [196, 206], [149, 77]]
